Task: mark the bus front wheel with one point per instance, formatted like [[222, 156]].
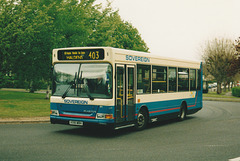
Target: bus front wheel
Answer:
[[142, 120]]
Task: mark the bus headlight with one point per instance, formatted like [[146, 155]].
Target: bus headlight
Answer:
[[54, 112], [104, 116]]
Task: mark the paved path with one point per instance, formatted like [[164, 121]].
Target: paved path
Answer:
[[24, 120]]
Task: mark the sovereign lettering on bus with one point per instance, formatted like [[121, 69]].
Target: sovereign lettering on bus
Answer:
[[75, 101], [137, 58]]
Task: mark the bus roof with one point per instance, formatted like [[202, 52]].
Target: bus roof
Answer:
[[131, 56]]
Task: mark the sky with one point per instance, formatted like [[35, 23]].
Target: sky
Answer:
[[180, 28]]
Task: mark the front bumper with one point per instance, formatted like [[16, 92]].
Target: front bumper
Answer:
[[66, 120]]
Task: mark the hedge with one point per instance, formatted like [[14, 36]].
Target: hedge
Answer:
[[236, 91]]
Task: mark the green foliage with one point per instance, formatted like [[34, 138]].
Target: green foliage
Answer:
[[6, 81], [26, 42], [236, 91], [29, 30]]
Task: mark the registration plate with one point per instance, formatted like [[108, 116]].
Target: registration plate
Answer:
[[77, 123]]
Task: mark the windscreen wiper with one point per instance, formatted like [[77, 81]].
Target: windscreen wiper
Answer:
[[65, 93], [73, 84], [69, 87], [87, 90]]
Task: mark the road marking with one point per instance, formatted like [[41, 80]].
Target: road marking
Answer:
[[235, 159], [214, 145]]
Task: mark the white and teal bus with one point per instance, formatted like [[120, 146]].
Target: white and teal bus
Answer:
[[122, 88]]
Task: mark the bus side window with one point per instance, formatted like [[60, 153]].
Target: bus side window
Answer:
[[183, 79], [159, 79], [199, 79], [144, 79], [172, 79], [192, 79]]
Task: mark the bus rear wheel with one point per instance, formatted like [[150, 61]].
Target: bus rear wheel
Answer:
[[142, 120], [183, 112]]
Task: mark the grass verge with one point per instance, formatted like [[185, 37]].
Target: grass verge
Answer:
[[21, 104], [213, 96]]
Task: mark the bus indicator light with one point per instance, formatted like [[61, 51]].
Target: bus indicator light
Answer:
[[104, 116], [54, 112], [109, 116]]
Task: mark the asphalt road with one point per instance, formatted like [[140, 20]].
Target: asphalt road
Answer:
[[211, 134]]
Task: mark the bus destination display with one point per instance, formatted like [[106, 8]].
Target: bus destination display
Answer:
[[81, 54]]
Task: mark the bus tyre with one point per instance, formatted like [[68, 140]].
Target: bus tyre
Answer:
[[183, 113], [142, 120]]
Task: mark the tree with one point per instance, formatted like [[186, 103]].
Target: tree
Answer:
[[31, 29], [235, 66], [27, 41], [217, 56], [110, 30], [7, 36], [33, 43], [128, 37]]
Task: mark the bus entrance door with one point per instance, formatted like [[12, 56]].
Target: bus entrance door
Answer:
[[125, 93]]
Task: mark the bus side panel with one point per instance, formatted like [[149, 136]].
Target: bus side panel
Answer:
[[171, 108], [193, 108]]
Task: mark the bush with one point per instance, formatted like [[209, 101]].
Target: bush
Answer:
[[6, 81], [236, 91]]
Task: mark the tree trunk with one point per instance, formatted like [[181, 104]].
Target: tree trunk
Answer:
[[219, 88], [225, 87], [229, 86], [31, 88], [48, 92]]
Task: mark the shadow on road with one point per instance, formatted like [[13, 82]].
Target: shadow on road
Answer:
[[96, 132], [103, 132], [167, 122]]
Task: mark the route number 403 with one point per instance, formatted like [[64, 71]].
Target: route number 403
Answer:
[[94, 55]]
